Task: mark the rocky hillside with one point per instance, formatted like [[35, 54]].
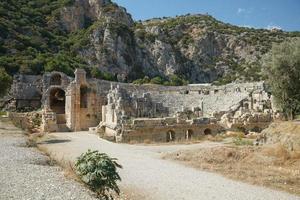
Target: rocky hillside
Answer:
[[100, 36]]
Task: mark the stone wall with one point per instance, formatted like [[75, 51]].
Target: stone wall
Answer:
[[79, 103], [212, 98], [26, 91], [29, 121], [163, 130]]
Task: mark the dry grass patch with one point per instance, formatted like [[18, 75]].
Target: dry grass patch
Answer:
[[33, 139], [271, 166], [235, 134]]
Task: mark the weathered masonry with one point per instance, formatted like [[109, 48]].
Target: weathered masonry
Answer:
[[124, 112]]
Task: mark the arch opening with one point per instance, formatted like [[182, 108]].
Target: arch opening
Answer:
[[55, 79], [189, 134], [57, 100], [170, 136], [256, 129], [207, 131]]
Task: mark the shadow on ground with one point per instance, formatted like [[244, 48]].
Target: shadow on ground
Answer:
[[54, 141]]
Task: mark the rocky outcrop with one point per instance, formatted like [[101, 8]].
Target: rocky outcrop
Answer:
[[82, 13], [284, 133], [63, 35], [198, 48]]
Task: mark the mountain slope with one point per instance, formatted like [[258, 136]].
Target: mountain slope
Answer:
[[100, 36]]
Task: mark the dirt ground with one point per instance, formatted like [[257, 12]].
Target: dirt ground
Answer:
[[146, 174], [271, 166]]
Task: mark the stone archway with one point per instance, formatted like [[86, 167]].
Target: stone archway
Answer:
[[57, 100], [207, 131], [256, 129], [170, 136], [189, 134]]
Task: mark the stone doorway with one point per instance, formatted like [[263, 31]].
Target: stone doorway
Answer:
[[189, 134], [57, 104], [207, 131], [170, 136]]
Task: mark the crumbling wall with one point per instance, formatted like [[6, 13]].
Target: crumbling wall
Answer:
[[178, 98], [26, 92], [29, 121], [168, 130], [130, 101]]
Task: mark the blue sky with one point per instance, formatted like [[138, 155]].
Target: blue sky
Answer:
[[284, 14]]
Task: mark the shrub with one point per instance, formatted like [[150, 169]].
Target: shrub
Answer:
[[32, 141], [97, 73], [241, 142], [177, 81], [5, 81], [157, 80], [138, 81], [99, 172], [144, 80]]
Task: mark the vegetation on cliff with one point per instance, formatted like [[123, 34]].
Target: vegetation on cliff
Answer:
[[31, 41], [210, 44], [5, 81], [39, 35]]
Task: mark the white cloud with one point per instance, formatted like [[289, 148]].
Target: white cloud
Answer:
[[247, 26], [240, 11], [244, 12], [273, 26]]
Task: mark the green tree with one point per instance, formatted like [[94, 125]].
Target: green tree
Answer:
[[157, 80], [177, 81], [282, 71], [99, 172], [96, 73], [5, 81]]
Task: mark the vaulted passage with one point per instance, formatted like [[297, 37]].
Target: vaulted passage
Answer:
[[207, 131], [170, 136], [57, 100]]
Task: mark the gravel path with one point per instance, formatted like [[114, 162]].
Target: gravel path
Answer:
[[26, 175], [159, 179]]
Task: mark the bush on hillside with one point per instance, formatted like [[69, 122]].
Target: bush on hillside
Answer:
[[5, 81]]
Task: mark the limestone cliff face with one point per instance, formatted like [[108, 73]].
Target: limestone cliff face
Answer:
[[197, 48], [82, 13]]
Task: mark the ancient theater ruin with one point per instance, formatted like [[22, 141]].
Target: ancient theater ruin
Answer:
[[122, 112]]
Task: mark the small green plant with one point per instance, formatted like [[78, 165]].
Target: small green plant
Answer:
[[99, 172], [37, 120], [2, 113], [242, 142], [32, 141], [5, 80]]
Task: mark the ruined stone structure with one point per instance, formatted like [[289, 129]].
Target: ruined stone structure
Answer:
[[124, 112]]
